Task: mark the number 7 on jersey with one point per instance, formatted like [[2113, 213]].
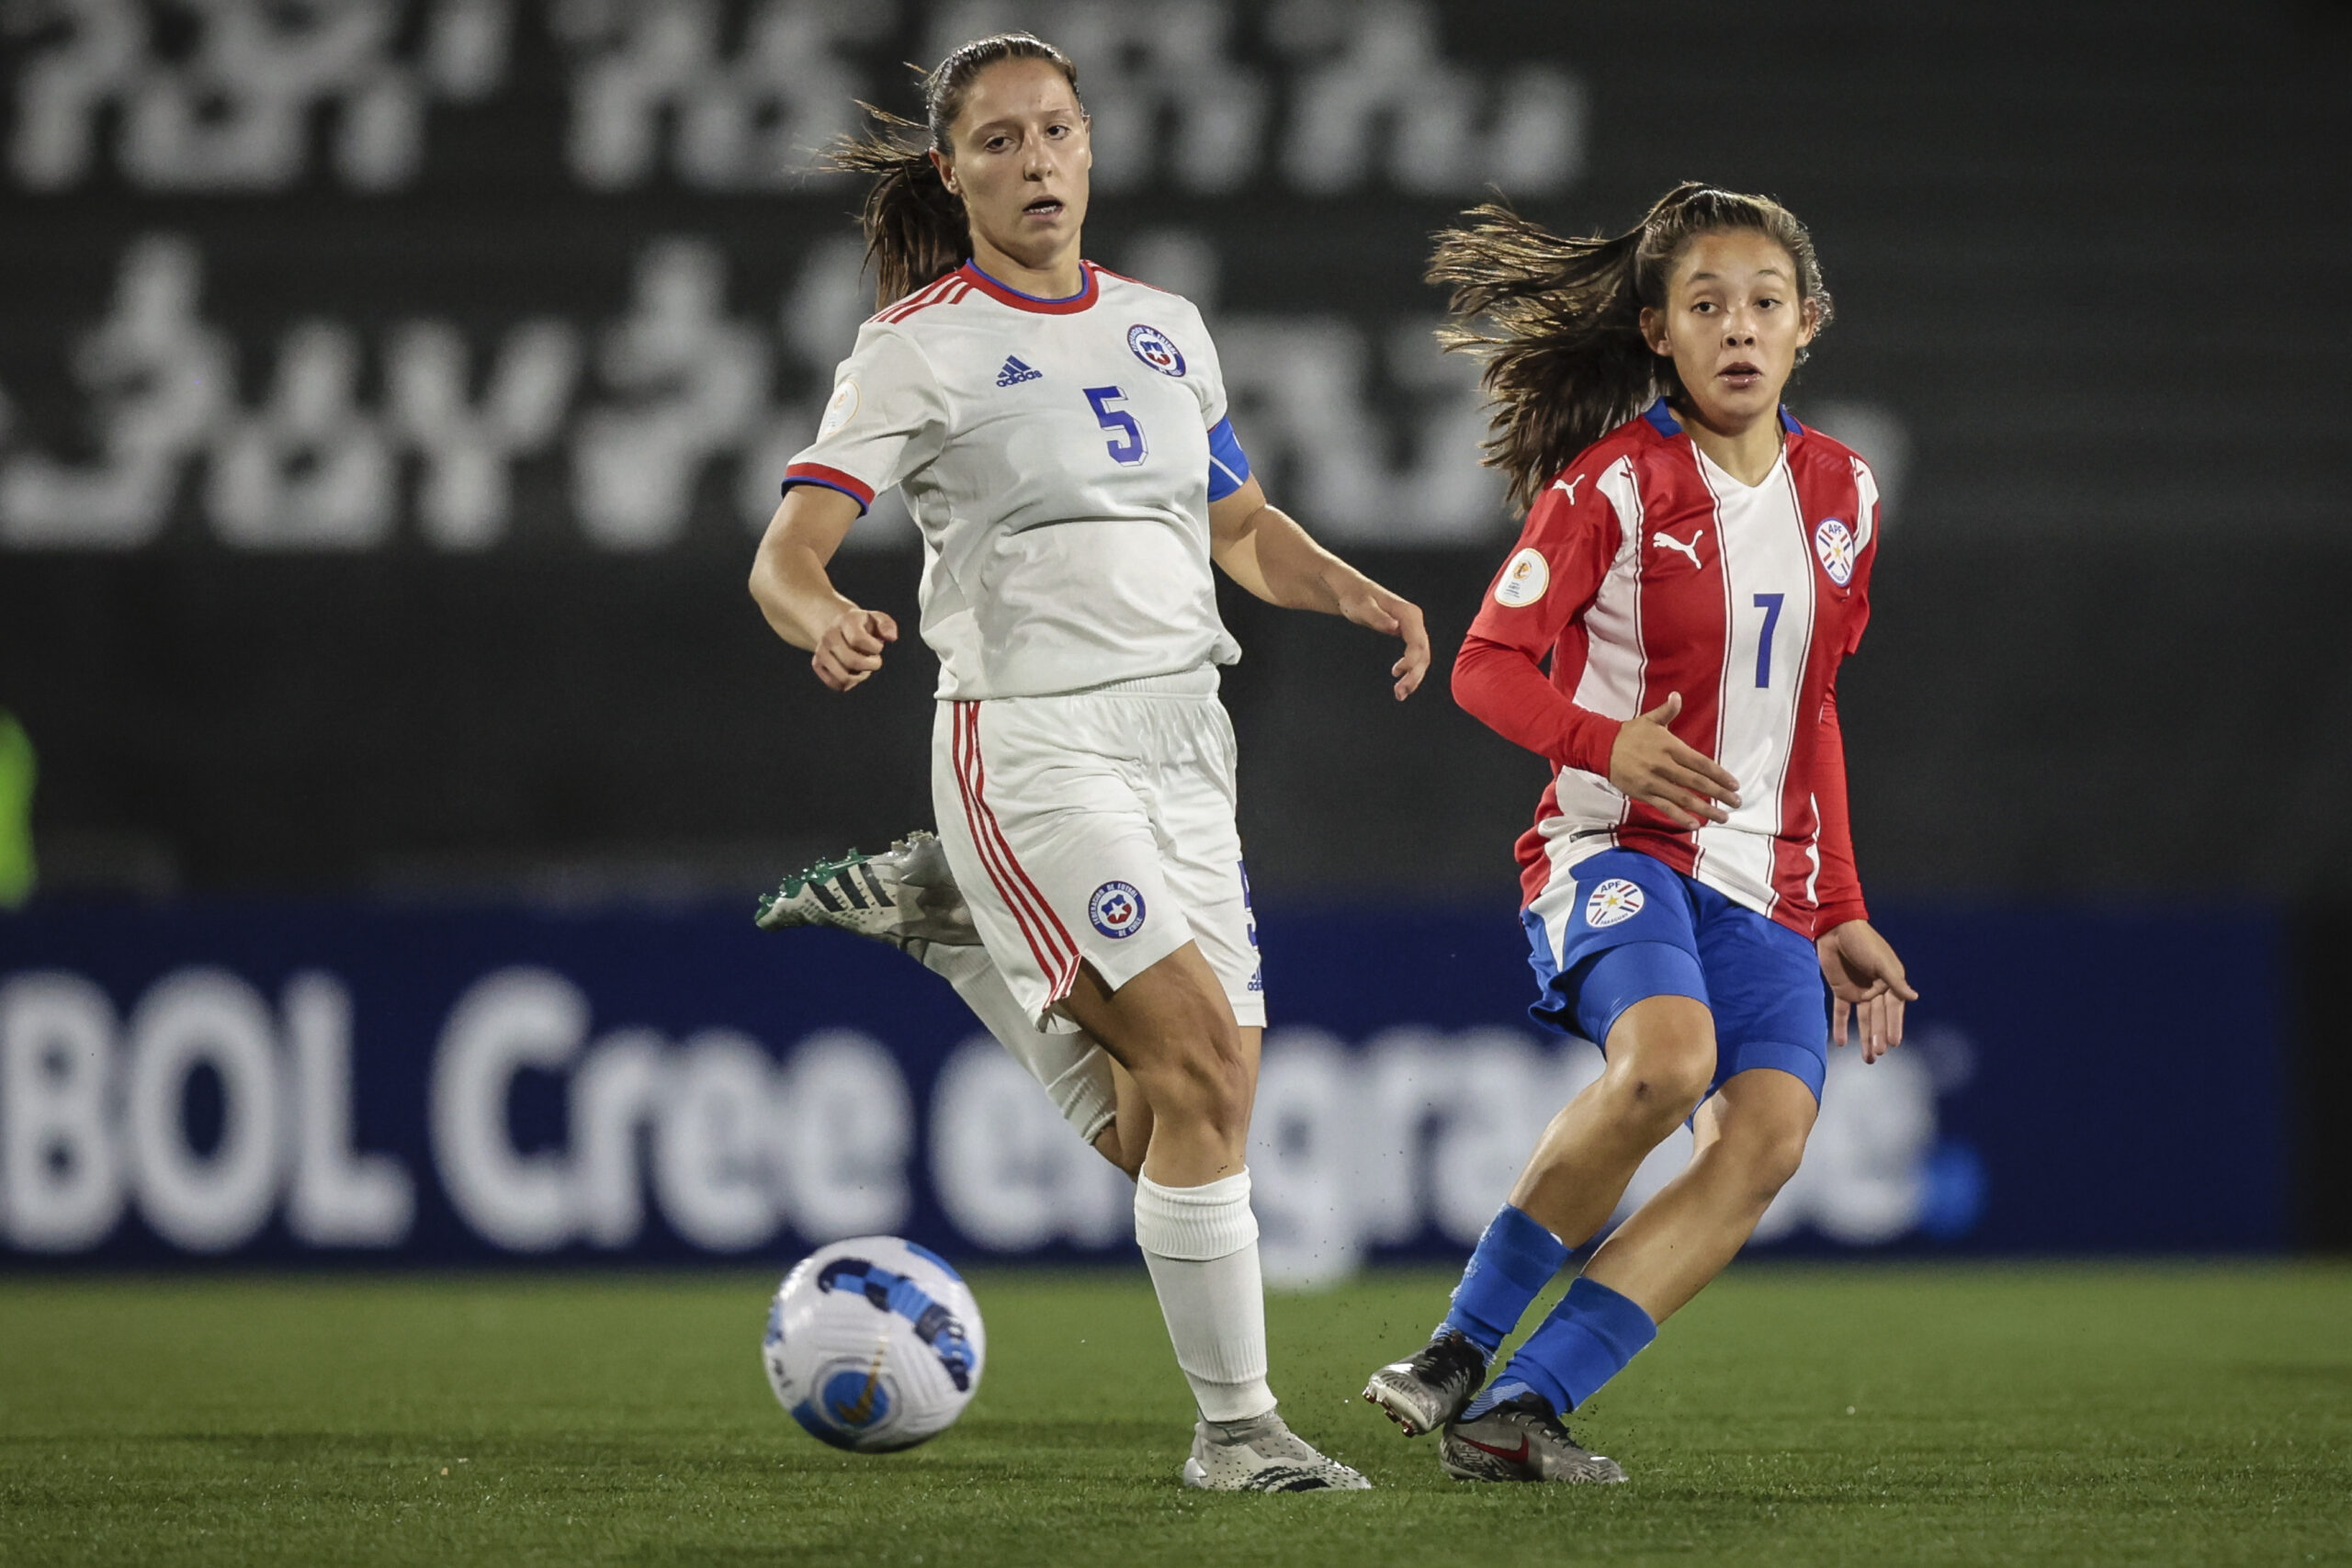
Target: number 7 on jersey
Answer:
[[1131, 449]]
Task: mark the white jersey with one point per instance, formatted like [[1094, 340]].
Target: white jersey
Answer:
[[1055, 454]]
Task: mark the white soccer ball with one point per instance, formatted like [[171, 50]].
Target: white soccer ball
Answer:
[[873, 1343]]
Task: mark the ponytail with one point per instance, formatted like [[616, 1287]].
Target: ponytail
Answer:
[[916, 229], [1558, 323]]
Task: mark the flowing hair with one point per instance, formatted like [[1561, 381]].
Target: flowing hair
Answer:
[[1557, 322], [915, 228]]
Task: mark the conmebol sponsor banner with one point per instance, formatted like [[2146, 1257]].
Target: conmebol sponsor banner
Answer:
[[274, 1081]]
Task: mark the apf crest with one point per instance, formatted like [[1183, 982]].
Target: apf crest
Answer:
[[1833, 541]]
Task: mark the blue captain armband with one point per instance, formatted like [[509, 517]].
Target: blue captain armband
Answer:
[[1229, 464]]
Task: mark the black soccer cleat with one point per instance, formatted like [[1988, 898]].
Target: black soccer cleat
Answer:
[[1430, 1387], [1521, 1439]]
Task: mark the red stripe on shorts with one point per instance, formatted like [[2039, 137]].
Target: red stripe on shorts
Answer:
[[1049, 939], [1058, 937]]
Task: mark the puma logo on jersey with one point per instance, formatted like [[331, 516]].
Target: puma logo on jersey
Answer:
[[1569, 486], [1015, 372], [1668, 542]]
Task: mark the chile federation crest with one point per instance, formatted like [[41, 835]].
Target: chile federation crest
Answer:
[[1157, 349], [1117, 909]]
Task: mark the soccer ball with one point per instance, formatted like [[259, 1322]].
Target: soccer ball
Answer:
[[873, 1343]]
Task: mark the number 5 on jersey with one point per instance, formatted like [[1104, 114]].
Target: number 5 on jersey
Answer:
[[1127, 446]]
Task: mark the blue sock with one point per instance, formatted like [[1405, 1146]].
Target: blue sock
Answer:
[[1586, 1340], [1515, 1259]]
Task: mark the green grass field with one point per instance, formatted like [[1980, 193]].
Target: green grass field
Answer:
[[1794, 1415]]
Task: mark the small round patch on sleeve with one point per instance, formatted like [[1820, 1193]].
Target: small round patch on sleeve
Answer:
[[841, 411], [1524, 580]]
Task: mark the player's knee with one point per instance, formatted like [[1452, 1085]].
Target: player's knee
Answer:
[[1202, 1077], [1766, 1152], [1662, 1058], [1664, 1082], [1774, 1154], [1111, 1147], [1217, 1079]]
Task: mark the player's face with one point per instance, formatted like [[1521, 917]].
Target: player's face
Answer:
[[1020, 157], [1732, 324]]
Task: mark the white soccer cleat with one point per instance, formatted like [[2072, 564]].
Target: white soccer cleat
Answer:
[[905, 896], [1263, 1455]]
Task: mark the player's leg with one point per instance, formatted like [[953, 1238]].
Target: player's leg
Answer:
[[1123, 1140], [1751, 1136], [1660, 1056], [1173, 1029], [1061, 856], [1615, 953], [1214, 1307], [907, 896], [1765, 984], [1661, 1051]]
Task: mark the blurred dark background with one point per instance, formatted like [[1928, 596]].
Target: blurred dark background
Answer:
[[391, 392], [2086, 264]]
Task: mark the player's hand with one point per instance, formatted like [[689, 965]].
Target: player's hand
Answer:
[[1867, 980], [1651, 765], [1367, 604], [850, 649]]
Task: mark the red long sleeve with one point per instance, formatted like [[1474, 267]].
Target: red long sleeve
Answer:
[[1534, 610], [1839, 888], [1502, 688]]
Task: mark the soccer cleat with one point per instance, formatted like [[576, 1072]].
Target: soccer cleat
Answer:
[[1430, 1387], [1521, 1439], [905, 896], [1263, 1455]]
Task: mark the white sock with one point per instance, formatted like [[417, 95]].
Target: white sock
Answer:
[[1201, 1244]]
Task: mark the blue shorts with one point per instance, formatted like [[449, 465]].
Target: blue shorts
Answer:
[[1620, 927]]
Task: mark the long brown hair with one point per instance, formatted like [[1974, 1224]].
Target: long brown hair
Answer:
[[1558, 322], [915, 228]]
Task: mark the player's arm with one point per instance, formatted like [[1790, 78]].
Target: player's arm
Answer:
[[1565, 549], [1865, 976], [886, 420], [1263, 548], [790, 584]]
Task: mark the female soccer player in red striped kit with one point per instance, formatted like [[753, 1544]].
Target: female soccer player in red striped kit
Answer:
[[1695, 564]]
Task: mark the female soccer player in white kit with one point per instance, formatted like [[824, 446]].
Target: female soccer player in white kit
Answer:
[[1059, 434]]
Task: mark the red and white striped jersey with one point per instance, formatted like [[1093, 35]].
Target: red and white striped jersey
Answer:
[[1643, 570]]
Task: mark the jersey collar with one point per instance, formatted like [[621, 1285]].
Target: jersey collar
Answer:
[[1662, 419], [1005, 294]]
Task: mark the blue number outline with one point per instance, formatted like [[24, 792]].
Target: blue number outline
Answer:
[[1134, 449], [1770, 604]]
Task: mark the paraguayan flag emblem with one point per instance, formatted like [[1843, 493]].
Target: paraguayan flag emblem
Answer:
[[1834, 543], [1614, 900]]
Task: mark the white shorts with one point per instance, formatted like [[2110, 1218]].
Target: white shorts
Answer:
[[1096, 827]]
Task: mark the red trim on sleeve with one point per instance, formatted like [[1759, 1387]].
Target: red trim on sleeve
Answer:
[[850, 485], [1839, 888]]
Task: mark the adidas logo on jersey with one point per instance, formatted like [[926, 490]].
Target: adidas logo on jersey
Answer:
[[1015, 373]]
